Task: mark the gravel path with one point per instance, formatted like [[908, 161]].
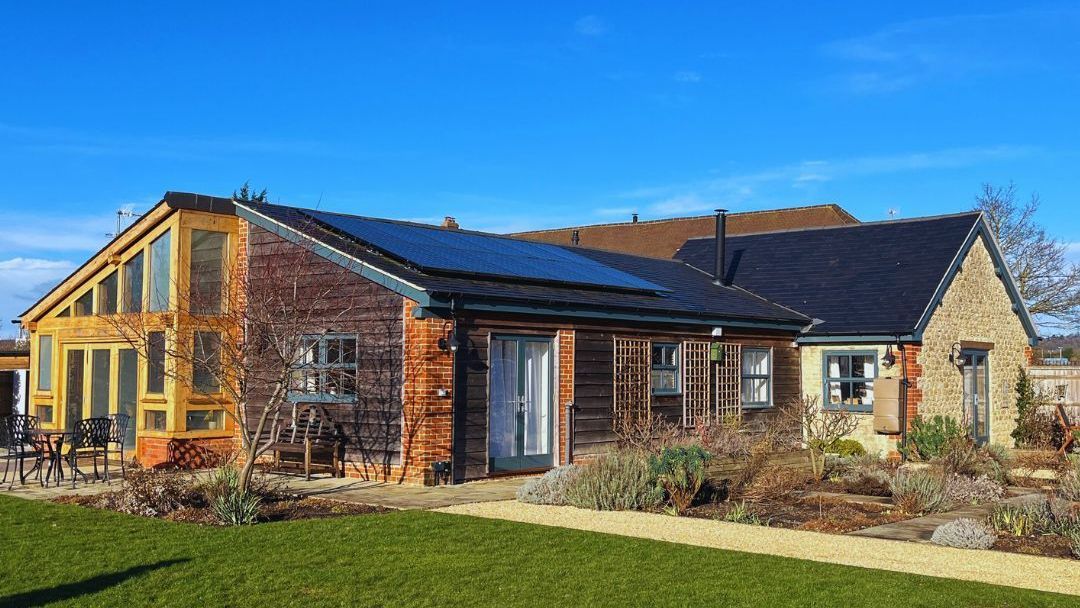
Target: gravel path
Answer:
[[1014, 570]]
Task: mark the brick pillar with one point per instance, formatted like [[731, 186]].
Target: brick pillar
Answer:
[[914, 372], [566, 388], [427, 421]]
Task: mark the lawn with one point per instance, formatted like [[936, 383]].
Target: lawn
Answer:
[[66, 555]]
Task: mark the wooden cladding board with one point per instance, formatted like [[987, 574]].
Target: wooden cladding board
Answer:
[[372, 423]]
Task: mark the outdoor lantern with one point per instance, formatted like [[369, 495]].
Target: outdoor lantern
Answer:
[[450, 342], [889, 359], [956, 356]]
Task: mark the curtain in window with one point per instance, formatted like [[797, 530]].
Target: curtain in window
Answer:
[[503, 401], [537, 397]]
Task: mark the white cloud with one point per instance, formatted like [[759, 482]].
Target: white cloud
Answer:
[[688, 76], [590, 25], [24, 280], [24, 232]]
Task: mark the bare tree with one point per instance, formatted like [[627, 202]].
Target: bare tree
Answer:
[[241, 338], [821, 427], [1048, 282]]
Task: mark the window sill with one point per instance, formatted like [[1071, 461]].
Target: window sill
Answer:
[[855, 409]]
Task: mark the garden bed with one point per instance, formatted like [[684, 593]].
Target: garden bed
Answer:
[[836, 515], [278, 508]]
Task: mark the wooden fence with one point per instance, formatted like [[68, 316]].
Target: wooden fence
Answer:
[[1060, 382]]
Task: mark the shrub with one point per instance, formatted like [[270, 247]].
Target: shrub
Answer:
[[868, 475], [680, 471], [1069, 486], [740, 513], [151, 492], [725, 439], [236, 508], [962, 489], [1020, 520], [776, 482], [1075, 538], [1034, 428], [617, 481], [964, 533], [927, 439], [846, 448], [646, 433], [551, 488], [919, 490], [960, 456]]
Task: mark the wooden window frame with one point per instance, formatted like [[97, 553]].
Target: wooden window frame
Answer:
[[768, 377], [321, 366], [674, 367], [826, 379]]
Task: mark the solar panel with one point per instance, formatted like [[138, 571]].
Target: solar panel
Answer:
[[431, 248]]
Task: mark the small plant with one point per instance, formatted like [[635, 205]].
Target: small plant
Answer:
[[846, 448], [1019, 520], [964, 533], [152, 492], [920, 490], [1034, 428], [868, 475], [551, 488], [680, 471], [962, 489], [927, 439], [776, 482], [620, 480], [236, 508], [821, 427], [741, 513]]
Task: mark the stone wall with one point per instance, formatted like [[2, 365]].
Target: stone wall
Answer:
[[976, 307]]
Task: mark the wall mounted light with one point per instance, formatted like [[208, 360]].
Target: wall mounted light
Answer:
[[956, 355], [450, 342], [889, 359]]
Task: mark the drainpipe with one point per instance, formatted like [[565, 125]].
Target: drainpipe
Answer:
[[903, 398], [569, 432]]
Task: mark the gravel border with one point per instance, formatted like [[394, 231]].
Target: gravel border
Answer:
[[994, 567]]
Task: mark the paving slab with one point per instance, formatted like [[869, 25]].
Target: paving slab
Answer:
[[920, 529], [404, 496]]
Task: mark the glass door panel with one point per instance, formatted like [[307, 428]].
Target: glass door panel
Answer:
[[73, 406], [520, 424], [976, 394], [128, 391], [100, 376]]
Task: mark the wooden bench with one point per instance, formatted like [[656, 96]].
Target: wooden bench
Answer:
[[1068, 427], [310, 431]]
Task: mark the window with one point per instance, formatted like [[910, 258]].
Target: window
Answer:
[[106, 295], [849, 380], [133, 283], [205, 420], [45, 413], [64, 312], [155, 376], [756, 377], [665, 369], [207, 254], [159, 273], [155, 420], [326, 368], [206, 358], [44, 363], [84, 306]]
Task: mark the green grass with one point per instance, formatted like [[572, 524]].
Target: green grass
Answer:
[[65, 555]]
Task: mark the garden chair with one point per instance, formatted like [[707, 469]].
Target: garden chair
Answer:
[[90, 438], [1068, 428], [20, 434], [117, 436]]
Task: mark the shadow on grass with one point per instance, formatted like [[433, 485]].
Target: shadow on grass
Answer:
[[41, 597]]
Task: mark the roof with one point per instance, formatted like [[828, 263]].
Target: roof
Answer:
[[10, 347], [685, 294], [170, 202], [874, 278], [661, 238]]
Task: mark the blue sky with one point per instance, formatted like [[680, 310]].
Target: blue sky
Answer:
[[511, 117]]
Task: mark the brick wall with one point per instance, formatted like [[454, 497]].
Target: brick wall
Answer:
[[165, 452], [565, 392]]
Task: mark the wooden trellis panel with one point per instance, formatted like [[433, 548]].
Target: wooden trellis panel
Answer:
[[697, 389], [633, 379], [729, 385]]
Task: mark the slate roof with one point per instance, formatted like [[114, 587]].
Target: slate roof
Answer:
[[871, 278], [689, 291]]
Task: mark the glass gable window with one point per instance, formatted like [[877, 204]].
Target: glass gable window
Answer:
[[756, 377], [849, 380], [207, 362], [155, 376], [665, 369], [160, 277], [133, 283], [207, 256], [106, 295], [44, 370], [325, 370], [84, 306]]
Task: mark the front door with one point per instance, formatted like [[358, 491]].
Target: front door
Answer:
[[73, 390], [976, 394], [520, 404]]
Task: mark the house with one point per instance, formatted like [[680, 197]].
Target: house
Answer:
[[928, 300], [663, 237], [490, 353]]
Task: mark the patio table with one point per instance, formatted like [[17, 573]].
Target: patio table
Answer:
[[52, 444]]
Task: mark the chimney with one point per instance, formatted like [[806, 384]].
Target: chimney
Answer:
[[721, 246], [575, 237], [450, 223], [633, 218]]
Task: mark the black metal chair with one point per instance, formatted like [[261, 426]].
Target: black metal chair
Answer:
[[20, 433], [118, 436], [90, 438]]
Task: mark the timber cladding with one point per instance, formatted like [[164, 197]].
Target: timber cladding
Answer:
[[373, 422], [594, 373]]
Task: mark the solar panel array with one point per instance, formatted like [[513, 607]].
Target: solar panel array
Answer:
[[434, 249]]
